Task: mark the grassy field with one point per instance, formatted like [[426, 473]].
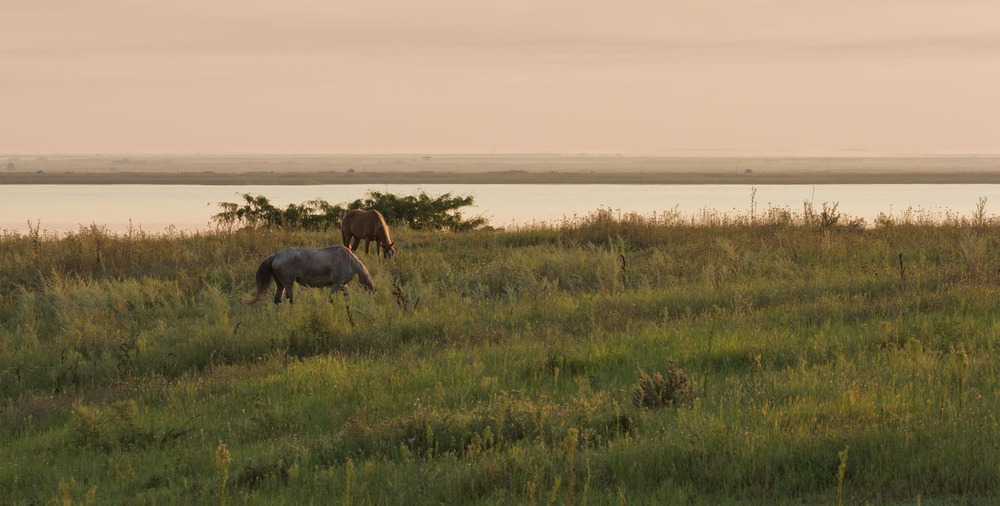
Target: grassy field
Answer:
[[774, 358]]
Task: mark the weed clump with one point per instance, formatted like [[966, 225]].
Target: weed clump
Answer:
[[662, 390]]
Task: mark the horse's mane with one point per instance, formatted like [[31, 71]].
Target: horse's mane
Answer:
[[384, 226]]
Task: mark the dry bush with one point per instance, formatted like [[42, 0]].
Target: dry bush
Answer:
[[659, 390]]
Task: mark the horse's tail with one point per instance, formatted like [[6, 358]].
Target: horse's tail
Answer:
[[363, 276], [263, 277]]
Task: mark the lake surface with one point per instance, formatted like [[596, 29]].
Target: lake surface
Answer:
[[157, 208]]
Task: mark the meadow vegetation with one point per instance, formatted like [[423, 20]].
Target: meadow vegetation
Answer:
[[774, 357]]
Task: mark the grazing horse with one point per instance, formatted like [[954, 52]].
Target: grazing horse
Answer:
[[313, 267], [369, 225]]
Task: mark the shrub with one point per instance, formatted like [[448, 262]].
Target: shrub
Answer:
[[658, 391], [420, 212], [257, 211]]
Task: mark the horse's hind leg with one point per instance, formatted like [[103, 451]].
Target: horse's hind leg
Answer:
[[355, 242], [288, 293]]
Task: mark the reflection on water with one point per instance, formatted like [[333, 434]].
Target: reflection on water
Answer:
[[155, 208]]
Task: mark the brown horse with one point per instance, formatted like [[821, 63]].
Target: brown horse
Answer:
[[313, 267], [369, 225]]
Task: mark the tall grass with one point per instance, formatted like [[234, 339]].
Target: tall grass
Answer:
[[512, 366]]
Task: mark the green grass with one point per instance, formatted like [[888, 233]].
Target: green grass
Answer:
[[826, 363]]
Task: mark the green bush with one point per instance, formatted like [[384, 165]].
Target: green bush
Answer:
[[419, 212]]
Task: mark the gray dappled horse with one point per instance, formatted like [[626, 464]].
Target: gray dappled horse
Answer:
[[369, 225], [313, 267]]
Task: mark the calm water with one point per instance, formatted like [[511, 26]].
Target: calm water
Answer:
[[155, 208]]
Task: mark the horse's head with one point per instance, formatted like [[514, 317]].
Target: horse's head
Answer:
[[388, 251]]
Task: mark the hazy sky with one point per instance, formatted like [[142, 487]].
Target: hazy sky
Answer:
[[321, 76]]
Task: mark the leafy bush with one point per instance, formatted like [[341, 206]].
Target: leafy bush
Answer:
[[420, 212], [257, 211]]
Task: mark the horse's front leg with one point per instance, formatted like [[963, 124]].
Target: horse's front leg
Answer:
[[368, 245], [337, 287], [347, 304]]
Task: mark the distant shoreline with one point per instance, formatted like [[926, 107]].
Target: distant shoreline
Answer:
[[497, 169], [294, 178]]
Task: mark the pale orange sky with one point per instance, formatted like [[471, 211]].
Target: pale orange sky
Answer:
[[314, 76]]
